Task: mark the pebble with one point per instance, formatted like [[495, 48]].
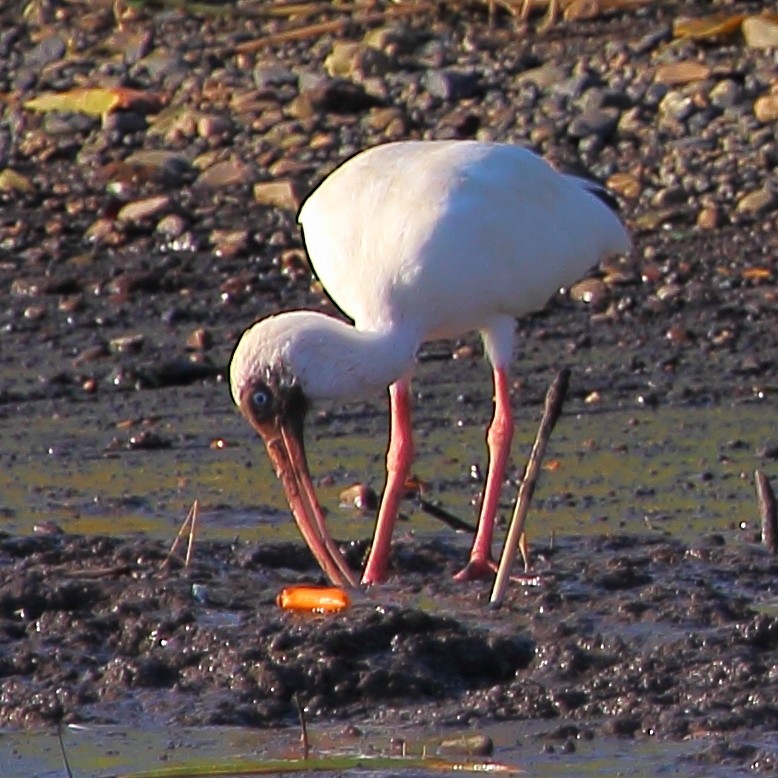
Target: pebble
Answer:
[[230, 172], [676, 73], [766, 108], [172, 225], [591, 291], [127, 344], [172, 165], [283, 193], [140, 210], [229, 243], [50, 49], [600, 122], [451, 85], [677, 106], [757, 202], [267, 75], [760, 32], [199, 340]]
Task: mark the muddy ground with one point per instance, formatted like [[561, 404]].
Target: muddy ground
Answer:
[[116, 319]]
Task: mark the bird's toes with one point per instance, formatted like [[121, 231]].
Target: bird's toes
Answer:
[[476, 570]]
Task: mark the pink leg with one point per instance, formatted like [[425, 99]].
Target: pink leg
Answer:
[[399, 456], [498, 440]]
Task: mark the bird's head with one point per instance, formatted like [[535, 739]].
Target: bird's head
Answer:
[[270, 380]]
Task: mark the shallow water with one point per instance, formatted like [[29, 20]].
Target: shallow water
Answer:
[[687, 471], [95, 752]]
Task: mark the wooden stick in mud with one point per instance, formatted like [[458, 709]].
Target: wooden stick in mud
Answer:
[[190, 524], [330, 26], [768, 518], [554, 399]]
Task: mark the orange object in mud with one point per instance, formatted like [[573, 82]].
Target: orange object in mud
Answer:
[[318, 599]]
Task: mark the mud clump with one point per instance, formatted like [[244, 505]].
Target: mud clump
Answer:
[[94, 630]]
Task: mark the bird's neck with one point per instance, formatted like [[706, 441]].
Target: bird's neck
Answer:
[[353, 363]]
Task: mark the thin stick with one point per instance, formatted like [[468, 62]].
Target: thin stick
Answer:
[[303, 726], [192, 533], [437, 512], [188, 525], [554, 399], [324, 28], [65, 761], [765, 498]]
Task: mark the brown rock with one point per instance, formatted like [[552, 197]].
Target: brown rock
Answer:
[[766, 108], [284, 193], [675, 73]]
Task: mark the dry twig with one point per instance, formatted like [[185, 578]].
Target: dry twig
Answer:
[[189, 525], [765, 498], [554, 399]]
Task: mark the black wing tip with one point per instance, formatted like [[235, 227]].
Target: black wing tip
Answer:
[[602, 193]]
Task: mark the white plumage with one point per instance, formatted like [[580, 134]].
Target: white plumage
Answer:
[[416, 241]]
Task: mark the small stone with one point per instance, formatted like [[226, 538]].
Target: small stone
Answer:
[[34, 312], [229, 172], [229, 243], [467, 745], [102, 232], [544, 76], [678, 336], [210, 126], [675, 73], [758, 202], [169, 165], [766, 108], [708, 218], [668, 291], [124, 122], [171, 226], [359, 496], [760, 32], [354, 60], [726, 94], [49, 50], [267, 75], [284, 193], [591, 291], [127, 344], [199, 340], [450, 84], [11, 181], [600, 122], [624, 184], [138, 210], [677, 106], [91, 353]]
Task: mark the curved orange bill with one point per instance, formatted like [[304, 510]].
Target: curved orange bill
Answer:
[[284, 442]]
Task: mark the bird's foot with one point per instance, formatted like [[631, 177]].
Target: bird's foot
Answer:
[[477, 569], [375, 572]]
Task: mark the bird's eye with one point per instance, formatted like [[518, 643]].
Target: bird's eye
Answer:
[[261, 400]]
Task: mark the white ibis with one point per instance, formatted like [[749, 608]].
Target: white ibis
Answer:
[[415, 241]]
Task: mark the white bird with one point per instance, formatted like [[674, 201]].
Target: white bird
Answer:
[[415, 241]]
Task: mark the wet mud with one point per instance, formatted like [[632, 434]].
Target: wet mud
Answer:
[[652, 613], [638, 637]]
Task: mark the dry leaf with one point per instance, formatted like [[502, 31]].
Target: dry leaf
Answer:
[[709, 27], [95, 101]]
